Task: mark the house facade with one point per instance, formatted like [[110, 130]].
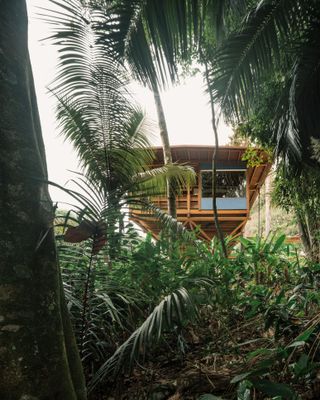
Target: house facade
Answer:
[[237, 187]]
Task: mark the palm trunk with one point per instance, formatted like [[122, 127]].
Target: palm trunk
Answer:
[[214, 169], [267, 206], [38, 356], [167, 156]]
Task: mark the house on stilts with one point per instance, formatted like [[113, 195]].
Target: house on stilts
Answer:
[[237, 188]]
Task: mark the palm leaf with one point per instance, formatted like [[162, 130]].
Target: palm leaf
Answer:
[[151, 36], [154, 181], [93, 103], [304, 94], [274, 37], [247, 55], [169, 313]]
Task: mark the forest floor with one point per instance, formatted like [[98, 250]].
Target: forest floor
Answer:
[[212, 361]]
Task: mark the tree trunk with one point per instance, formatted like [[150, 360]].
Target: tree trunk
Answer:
[[167, 156], [309, 232], [267, 206], [38, 356], [220, 234]]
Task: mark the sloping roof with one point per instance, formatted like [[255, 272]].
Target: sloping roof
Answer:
[[201, 153]]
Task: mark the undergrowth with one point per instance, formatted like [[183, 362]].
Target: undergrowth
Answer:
[[174, 319]]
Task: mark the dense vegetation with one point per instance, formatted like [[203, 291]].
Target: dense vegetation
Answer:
[[245, 326], [157, 320], [177, 318]]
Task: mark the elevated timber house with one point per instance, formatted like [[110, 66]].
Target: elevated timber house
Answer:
[[237, 188]]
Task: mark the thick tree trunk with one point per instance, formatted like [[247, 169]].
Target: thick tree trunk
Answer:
[[167, 156], [38, 357]]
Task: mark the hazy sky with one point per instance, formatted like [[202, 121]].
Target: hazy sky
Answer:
[[186, 106]]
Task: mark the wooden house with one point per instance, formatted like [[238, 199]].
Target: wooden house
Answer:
[[237, 188]]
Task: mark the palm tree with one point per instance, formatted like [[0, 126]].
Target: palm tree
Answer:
[[277, 37], [131, 30], [95, 113], [155, 37], [149, 36], [109, 134], [123, 36], [167, 155]]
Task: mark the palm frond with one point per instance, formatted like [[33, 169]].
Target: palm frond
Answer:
[[305, 88], [165, 220], [286, 134], [171, 312], [106, 307], [221, 16], [83, 205], [297, 120], [151, 36], [154, 181], [80, 59], [94, 108], [273, 38], [247, 55]]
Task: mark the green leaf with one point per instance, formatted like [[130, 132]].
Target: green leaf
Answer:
[[279, 242], [173, 308], [262, 351], [301, 366], [274, 389], [207, 396], [241, 377], [243, 392], [305, 335], [297, 343]]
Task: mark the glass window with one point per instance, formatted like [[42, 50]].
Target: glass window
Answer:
[[228, 183]]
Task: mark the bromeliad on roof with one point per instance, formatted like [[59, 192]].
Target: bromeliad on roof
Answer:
[[237, 188]]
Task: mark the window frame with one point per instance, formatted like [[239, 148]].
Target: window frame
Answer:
[[245, 170]]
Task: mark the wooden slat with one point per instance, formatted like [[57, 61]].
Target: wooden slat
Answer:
[[198, 219], [200, 212]]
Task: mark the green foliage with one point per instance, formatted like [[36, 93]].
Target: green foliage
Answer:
[[149, 293], [275, 37], [258, 124], [130, 297], [254, 157], [170, 314], [301, 194]]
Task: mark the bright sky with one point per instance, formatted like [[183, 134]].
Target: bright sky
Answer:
[[186, 106]]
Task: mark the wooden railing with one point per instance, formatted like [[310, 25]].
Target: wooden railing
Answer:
[[186, 202]]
